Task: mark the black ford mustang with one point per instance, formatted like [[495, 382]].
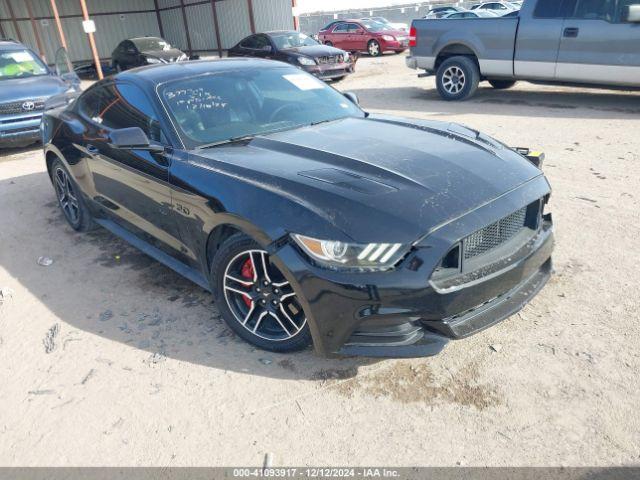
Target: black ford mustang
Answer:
[[308, 219]]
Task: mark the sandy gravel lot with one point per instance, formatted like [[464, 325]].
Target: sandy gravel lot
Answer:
[[108, 358]]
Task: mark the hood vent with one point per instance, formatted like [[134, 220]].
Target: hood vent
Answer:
[[348, 180]]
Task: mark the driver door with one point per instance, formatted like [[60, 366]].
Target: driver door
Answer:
[[64, 68], [132, 186]]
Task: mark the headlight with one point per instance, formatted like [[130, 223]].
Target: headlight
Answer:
[[153, 61], [306, 61], [340, 255], [183, 57], [389, 38]]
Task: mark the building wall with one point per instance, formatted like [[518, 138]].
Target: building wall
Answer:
[[119, 19]]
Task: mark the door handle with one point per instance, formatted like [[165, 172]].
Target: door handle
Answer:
[[571, 32], [92, 150]]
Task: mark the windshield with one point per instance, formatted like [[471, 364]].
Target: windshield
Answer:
[[151, 44], [292, 40], [232, 104], [20, 64]]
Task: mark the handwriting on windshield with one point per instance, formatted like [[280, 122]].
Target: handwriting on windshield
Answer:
[[195, 99]]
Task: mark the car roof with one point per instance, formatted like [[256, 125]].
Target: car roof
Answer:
[[12, 45], [153, 75]]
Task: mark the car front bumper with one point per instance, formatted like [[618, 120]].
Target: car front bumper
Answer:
[[19, 130], [402, 312], [330, 71]]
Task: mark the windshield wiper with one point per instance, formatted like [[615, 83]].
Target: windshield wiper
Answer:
[[242, 138]]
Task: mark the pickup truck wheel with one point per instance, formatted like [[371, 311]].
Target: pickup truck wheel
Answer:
[[502, 84], [457, 78]]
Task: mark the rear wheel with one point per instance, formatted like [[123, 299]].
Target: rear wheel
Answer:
[[502, 84], [255, 299], [373, 47], [457, 78], [70, 199]]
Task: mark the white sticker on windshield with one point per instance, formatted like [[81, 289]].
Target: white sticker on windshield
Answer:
[[21, 57], [304, 82]]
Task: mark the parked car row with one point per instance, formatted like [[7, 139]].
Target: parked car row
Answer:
[[478, 10]]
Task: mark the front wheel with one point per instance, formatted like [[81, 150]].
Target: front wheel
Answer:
[[373, 47], [255, 299], [502, 84], [70, 199], [457, 78]]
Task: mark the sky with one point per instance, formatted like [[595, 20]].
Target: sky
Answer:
[[307, 6]]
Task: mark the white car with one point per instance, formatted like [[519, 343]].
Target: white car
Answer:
[[384, 21], [478, 13], [501, 8]]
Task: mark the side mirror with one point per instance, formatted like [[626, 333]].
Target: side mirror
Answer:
[[360, 32], [633, 14], [132, 139], [353, 98]]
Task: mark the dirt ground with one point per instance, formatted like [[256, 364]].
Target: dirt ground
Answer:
[[109, 358]]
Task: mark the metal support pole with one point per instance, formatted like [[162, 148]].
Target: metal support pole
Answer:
[[14, 21], [34, 26], [56, 16], [159, 18], [186, 27], [92, 41], [217, 27], [296, 21], [252, 20]]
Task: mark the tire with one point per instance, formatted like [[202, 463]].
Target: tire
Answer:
[[247, 297], [339, 79], [502, 84], [398, 52], [70, 200], [457, 78], [328, 44], [373, 48]]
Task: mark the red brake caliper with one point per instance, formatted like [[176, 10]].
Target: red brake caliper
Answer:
[[248, 273]]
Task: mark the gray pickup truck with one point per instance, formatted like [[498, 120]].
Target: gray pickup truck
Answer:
[[576, 42]]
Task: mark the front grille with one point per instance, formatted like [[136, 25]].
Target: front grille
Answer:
[[494, 235], [330, 59], [24, 106]]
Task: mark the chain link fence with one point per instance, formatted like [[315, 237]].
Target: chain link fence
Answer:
[[311, 23]]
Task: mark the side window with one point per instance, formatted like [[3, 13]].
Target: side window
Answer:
[[554, 8], [249, 42], [127, 106], [622, 10], [342, 28], [89, 103], [262, 41], [353, 27], [595, 10]]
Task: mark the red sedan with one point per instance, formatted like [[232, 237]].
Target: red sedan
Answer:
[[364, 36]]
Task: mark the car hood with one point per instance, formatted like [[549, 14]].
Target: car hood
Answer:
[[315, 51], [30, 88], [365, 175], [164, 54]]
